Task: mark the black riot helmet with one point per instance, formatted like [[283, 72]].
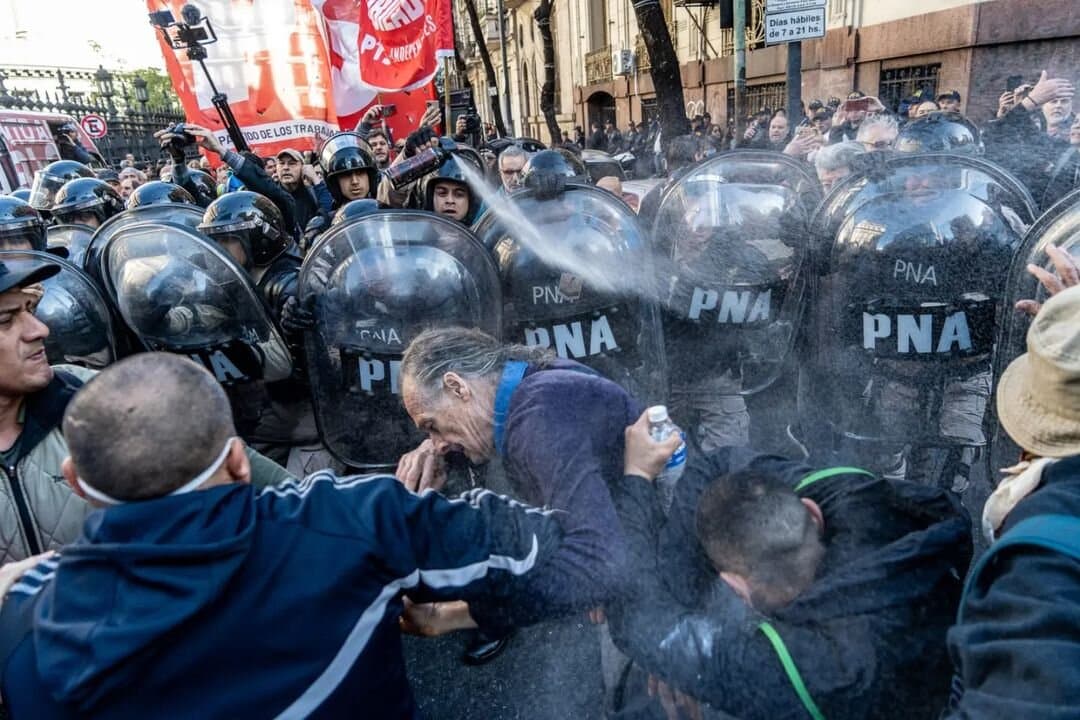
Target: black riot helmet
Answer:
[[354, 209], [549, 171], [86, 195], [251, 220], [346, 153], [22, 193], [158, 192], [204, 182], [21, 226], [948, 132], [450, 171], [51, 178]]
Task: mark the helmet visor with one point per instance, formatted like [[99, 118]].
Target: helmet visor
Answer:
[[44, 190]]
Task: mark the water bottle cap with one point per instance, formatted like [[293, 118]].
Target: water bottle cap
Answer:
[[657, 413]]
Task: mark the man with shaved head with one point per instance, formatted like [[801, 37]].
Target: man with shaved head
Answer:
[[192, 593]]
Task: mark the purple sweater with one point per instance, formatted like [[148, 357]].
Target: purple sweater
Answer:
[[563, 447]]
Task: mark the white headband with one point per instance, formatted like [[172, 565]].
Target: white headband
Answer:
[[95, 494]]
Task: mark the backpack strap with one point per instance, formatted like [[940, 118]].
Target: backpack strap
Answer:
[[791, 670], [1057, 533], [828, 473]]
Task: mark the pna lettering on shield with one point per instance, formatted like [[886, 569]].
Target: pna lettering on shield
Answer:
[[372, 372], [737, 307], [570, 338], [915, 334]]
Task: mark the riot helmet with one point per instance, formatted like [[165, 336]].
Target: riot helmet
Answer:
[[248, 224], [158, 193], [548, 172], [51, 178], [442, 190], [342, 155], [86, 200], [354, 209], [22, 193], [21, 226], [948, 132], [203, 182]]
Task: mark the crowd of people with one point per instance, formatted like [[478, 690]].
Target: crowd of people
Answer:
[[210, 509]]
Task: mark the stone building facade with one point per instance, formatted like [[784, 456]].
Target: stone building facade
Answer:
[[887, 48]]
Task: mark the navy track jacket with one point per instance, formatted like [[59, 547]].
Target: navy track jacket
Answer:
[[232, 602]]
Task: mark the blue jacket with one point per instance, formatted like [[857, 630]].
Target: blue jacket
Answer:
[[1017, 648], [562, 445], [231, 602], [865, 638]]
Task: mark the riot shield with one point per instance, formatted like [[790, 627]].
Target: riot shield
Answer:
[[904, 317], [1060, 227], [178, 292], [992, 184], [377, 282], [75, 311], [577, 277], [732, 236], [74, 239], [187, 215]]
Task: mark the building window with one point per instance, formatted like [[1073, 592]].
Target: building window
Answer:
[[768, 95], [899, 83], [598, 24]]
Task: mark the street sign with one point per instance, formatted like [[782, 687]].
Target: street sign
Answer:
[[94, 126], [791, 26], [783, 6]]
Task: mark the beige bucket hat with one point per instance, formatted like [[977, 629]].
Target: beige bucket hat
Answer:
[[1038, 397]]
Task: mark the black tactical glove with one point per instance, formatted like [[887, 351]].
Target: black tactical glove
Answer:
[[418, 140], [297, 317]]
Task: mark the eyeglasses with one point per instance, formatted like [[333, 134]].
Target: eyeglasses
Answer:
[[879, 145]]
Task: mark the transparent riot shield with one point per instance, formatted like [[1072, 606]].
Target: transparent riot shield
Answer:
[[187, 215], [577, 277], [74, 239], [1060, 227], [903, 324], [178, 292], [78, 316], [377, 282], [732, 238], [981, 179]]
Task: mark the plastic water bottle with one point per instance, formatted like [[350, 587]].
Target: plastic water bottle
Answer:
[[660, 428]]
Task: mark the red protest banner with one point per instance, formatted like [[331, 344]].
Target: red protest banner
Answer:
[[271, 63], [386, 52]]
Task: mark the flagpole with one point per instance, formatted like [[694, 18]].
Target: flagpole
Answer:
[[446, 96]]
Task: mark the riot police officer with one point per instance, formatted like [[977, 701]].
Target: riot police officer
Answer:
[[447, 191], [349, 167], [947, 132], [251, 229], [549, 171], [51, 178], [21, 226], [86, 201], [157, 192]]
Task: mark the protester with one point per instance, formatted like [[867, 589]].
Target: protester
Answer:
[[380, 148], [511, 162], [1016, 645], [833, 163], [310, 196], [556, 426], [949, 101], [181, 531], [1028, 140], [834, 587], [878, 133]]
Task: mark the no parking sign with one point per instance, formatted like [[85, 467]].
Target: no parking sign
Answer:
[[94, 126]]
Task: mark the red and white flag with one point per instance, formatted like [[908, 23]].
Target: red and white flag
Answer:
[[270, 61], [386, 52]]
